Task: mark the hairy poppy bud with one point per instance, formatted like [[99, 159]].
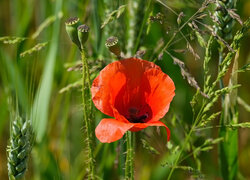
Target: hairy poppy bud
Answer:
[[112, 44], [83, 33], [71, 28]]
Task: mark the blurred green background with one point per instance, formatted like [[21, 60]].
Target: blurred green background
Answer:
[[59, 152]]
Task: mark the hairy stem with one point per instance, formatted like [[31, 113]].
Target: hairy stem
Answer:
[[86, 117], [90, 104], [129, 164]]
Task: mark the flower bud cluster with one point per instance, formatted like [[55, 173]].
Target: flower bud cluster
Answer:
[[78, 33]]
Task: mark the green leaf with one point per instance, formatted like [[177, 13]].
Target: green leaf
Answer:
[[15, 78], [228, 153], [42, 99], [228, 149]]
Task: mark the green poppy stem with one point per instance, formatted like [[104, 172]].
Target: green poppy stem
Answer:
[[129, 164], [90, 103], [87, 114]]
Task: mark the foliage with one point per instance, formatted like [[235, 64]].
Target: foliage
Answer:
[[40, 69]]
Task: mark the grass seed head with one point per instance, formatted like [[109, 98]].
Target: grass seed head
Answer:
[[19, 148]]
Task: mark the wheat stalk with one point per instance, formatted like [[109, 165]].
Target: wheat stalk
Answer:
[[19, 148]]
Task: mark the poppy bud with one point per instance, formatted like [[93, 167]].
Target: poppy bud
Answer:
[[83, 33], [112, 44], [71, 28]]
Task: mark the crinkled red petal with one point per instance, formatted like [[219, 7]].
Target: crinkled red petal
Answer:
[[130, 83], [106, 87], [118, 84], [159, 92], [110, 130]]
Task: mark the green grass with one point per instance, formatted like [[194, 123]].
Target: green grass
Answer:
[[33, 83]]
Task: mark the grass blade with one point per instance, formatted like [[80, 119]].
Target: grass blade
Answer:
[[42, 99], [229, 147]]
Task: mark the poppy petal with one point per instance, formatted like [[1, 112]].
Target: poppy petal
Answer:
[[131, 94], [110, 130], [140, 126], [119, 117], [159, 92], [120, 79], [105, 86]]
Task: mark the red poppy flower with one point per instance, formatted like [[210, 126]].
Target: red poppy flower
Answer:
[[136, 92]]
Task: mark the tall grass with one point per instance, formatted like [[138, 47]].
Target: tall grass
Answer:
[[41, 75], [228, 155]]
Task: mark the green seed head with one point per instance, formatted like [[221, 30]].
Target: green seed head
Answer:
[[71, 28], [83, 33], [19, 148], [112, 44]]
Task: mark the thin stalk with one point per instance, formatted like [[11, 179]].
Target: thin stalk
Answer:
[[179, 155], [89, 138], [90, 104], [142, 27], [131, 13], [169, 8], [186, 140], [221, 57], [182, 26], [129, 164], [132, 155]]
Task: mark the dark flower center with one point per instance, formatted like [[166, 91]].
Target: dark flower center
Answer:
[[136, 115]]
